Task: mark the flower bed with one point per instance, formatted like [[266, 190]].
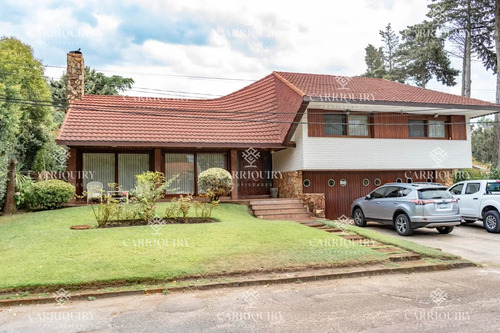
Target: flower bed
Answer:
[[175, 220]]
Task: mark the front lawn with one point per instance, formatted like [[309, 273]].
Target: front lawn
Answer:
[[40, 249]]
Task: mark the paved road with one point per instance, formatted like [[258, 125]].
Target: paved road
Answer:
[[470, 241], [464, 300]]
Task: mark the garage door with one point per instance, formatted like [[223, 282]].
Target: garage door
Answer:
[[341, 188]]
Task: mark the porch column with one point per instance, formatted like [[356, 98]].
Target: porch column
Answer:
[[157, 160], [234, 170], [71, 167]]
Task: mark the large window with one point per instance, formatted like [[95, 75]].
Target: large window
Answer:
[[437, 129], [99, 167], [418, 128], [129, 166], [427, 128], [335, 124], [341, 124], [183, 166], [209, 160], [358, 125]]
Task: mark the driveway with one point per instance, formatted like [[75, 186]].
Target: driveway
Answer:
[[470, 241]]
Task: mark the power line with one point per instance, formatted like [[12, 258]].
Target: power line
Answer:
[[165, 108], [197, 77], [138, 113]]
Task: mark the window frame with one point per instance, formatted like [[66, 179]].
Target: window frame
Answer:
[[426, 120], [195, 164], [467, 187], [369, 124]]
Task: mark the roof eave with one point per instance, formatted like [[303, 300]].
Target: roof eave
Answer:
[[492, 108], [229, 145]]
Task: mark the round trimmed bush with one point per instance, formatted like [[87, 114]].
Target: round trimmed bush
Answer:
[[216, 182], [50, 194]]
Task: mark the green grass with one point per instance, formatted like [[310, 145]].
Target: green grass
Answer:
[[399, 242], [39, 249]]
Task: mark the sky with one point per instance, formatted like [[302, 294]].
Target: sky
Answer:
[[169, 47]]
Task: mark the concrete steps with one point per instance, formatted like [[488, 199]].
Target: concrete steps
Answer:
[[279, 209]]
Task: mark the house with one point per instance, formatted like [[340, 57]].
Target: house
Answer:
[[302, 133]]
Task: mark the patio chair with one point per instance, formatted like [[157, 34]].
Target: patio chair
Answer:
[[94, 191]]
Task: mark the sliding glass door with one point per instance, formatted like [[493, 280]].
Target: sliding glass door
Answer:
[[187, 167]]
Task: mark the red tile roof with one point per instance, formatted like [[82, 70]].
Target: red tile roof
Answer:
[[245, 117], [324, 86], [259, 115]]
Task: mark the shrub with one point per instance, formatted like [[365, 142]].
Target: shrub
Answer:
[[171, 211], [149, 189], [216, 182], [182, 205], [468, 174], [107, 210], [204, 209], [494, 173], [49, 194], [24, 189]]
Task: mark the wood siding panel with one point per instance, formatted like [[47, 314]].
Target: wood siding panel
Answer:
[[338, 199], [458, 128], [315, 126], [389, 125], [383, 128]]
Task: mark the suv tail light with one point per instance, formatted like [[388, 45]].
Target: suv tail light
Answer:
[[425, 202], [422, 202]]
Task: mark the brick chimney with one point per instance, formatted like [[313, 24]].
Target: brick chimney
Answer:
[[76, 69]]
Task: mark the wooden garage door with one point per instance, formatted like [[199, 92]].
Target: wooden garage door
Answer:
[[338, 198]]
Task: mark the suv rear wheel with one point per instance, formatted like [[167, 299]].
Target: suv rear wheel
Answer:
[[444, 230], [359, 217], [402, 225], [491, 221]]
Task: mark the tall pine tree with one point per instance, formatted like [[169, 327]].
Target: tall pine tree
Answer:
[[423, 57], [469, 25]]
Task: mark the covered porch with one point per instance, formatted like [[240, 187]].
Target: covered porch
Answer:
[[251, 168]]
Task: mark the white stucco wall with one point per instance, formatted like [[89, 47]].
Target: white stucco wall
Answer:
[[372, 154], [291, 159]]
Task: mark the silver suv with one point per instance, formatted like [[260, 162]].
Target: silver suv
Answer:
[[408, 207]]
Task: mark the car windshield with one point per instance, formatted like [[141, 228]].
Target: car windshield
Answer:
[[493, 188], [434, 193]]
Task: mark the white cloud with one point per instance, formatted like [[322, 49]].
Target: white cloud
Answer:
[[245, 39]]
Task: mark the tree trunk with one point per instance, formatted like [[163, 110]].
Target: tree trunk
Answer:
[[466, 75], [10, 204], [496, 145]]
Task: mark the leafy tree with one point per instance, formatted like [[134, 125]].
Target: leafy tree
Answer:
[[374, 60], [482, 136], [423, 57], [469, 25], [25, 124], [96, 83]]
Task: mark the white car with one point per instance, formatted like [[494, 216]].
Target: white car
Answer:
[[479, 200]]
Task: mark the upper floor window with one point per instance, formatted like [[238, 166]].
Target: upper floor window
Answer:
[[426, 128], [437, 129], [418, 128], [342, 124]]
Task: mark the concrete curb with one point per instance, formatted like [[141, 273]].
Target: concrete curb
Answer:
[[242, 283]]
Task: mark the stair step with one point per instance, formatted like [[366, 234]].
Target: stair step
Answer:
[[283, 216], [274, 201], [279, 211], [404, 257], [278, 206]]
